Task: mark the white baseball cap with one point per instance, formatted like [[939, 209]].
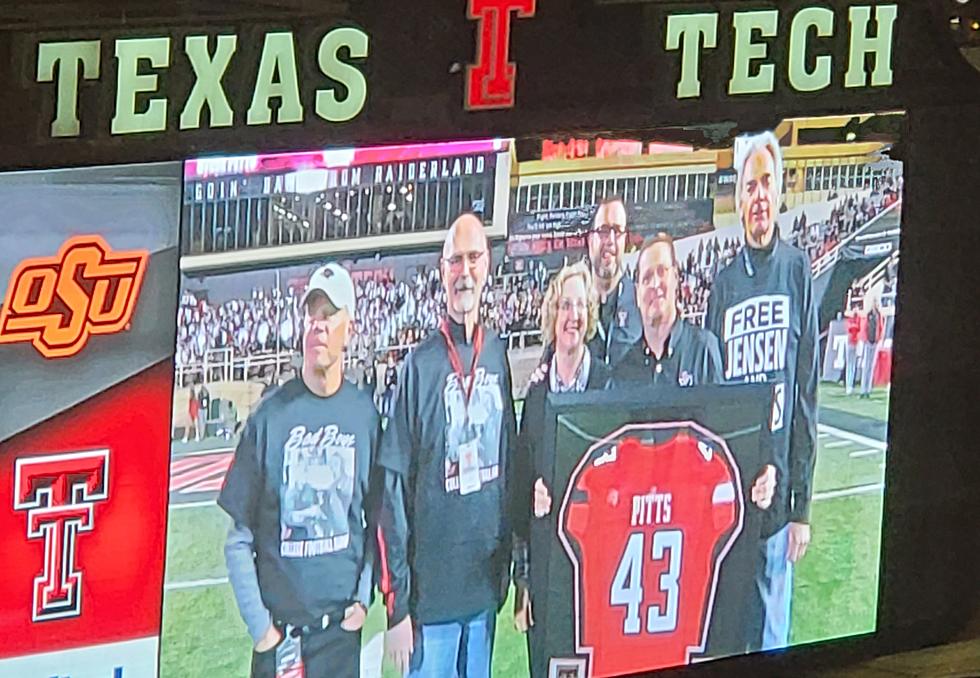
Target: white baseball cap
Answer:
[[334, 281]]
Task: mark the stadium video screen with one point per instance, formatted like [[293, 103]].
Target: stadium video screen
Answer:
[[610, 406]]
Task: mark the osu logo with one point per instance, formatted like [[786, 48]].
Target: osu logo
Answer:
[[57, 302], [59, 493]]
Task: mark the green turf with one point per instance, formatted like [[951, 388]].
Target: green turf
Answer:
[[835, 594], [194, 544], [203, 636], [875, 407]]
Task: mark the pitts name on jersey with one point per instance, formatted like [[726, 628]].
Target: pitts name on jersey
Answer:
[[756, 333], [652, 508]]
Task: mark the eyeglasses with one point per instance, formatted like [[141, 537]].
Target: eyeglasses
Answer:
[[660, 270], [609, 232], [457, 260], [568, 305]]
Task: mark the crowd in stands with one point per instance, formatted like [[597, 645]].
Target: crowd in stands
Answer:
[[848, 214], [698, 271], [392, 316]]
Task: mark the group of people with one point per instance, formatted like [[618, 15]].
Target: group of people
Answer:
[[248, 326], [439, 503], [392, 316], [865, 333], [698, 273], [850, 213]]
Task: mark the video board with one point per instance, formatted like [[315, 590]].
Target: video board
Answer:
[[507, 418]]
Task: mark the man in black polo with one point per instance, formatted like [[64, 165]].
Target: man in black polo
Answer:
[[671, 351], [301, 548], [674, 353], [619, 319]]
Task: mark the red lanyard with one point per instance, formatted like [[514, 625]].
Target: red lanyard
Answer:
[[457, 362]]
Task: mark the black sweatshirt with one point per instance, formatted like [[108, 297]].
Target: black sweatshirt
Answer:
[[445, 554], [762, 309]]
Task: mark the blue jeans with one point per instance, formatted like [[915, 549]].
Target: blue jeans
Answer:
[[460, 648], [776, 590], [850, 367], [868, 366]]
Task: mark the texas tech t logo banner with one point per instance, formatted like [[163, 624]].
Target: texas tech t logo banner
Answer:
[[88, 298], [58, 493], [490, 82]]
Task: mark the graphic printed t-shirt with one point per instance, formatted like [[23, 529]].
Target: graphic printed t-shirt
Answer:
[[648, 524], [455, 462], [298, 482]]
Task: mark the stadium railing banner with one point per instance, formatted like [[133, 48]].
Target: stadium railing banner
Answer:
[[88, 270], [736, 424]]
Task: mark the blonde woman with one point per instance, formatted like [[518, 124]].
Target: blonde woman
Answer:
[[569, 318]]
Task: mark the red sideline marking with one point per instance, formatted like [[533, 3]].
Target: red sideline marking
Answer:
[[186, 477], [389, 595]]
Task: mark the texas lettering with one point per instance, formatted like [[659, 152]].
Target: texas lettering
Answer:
[[143, 106]]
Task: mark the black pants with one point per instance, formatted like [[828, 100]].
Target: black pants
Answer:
[[331, 653]]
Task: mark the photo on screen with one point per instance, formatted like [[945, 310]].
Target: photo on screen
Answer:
[[414, 382]]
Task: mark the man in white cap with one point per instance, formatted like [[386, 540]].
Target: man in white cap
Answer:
[[301, 549]]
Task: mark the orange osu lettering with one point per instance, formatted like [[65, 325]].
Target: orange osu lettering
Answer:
[[57, 302]]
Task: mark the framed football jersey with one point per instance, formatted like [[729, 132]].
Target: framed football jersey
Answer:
[[649, 557]]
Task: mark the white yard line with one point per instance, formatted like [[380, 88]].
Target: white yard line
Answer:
[[371, 655], [839, 443], [823, 435], [849, 491], [864, 453], [194, 584], [200, 453], [853, 437], [194, 504]]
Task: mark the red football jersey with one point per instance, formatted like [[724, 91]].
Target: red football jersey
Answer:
[[651, 524]]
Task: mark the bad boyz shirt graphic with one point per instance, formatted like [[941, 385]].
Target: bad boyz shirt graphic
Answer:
[[316, 492], [473, 432]]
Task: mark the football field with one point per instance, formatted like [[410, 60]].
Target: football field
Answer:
[[835, 590]]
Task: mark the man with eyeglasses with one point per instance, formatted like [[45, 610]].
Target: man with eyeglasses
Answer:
[[672, 351], [445, 537], [301, 549], [619, 319]]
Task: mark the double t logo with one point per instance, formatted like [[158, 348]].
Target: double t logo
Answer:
[[59, 492], [491, 80]]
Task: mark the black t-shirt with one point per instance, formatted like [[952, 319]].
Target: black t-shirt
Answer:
[[299, 482], [459, 529]]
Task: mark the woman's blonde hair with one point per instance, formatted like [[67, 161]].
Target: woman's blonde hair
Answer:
[[552, 297]]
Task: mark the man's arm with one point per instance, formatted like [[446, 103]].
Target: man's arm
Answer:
[[238, 497], [802, 453], [393, 531], [712, 370], [240, 559]]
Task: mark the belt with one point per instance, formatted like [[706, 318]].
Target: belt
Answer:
[[316, 626]]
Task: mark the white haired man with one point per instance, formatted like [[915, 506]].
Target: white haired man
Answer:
[[762, 310]]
